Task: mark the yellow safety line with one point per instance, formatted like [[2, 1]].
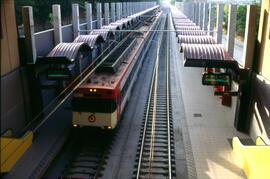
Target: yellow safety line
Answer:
[[146, 118], [152, 142]]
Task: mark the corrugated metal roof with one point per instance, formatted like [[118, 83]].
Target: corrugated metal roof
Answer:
[[111, 27], [184, 24], [205, 51], [105, 33], [188, 28], [191, 32], [120, 24], [69, 50], [189, 39], [91, 40]]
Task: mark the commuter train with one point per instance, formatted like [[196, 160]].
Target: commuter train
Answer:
[[100, 101]]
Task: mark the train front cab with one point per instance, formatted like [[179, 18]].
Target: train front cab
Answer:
[[96, 108]]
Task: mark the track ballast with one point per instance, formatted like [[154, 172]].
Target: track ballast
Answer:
[[155, 157]]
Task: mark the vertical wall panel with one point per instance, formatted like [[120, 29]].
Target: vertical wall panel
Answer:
[[9, 44], [264, 39]]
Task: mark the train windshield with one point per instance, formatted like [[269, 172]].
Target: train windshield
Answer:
[[93, 105]]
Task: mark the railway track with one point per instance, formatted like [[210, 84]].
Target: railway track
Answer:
[[89, 155], [155, 157]]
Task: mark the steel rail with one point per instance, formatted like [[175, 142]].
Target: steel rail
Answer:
[[146, 119], [168, 97], [152, 104], [147, 111]]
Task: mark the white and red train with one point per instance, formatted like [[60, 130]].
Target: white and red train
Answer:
[[100, 101]]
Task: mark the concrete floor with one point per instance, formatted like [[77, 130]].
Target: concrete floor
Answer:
[[208, 150]]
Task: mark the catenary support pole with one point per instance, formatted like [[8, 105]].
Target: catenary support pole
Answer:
[[29, 31], [57, 26]]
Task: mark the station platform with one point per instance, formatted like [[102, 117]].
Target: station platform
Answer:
[[206, 125]]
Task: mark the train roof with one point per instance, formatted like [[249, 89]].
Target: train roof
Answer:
[[107, 80]]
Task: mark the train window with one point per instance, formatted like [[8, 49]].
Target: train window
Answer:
[[213, 79], [93, 105]]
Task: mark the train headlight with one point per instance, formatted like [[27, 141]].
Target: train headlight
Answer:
[[95, 90], [91, 90], [75, 125]]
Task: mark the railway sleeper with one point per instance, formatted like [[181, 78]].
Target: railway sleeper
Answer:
[[158, 105], [158, 135], [79, 175], [89, 154], [155, 160], [159, 122], [162, 109], [159, 126], [158, 108], [149, 141], [160, 138], [87, 158], [155, 173], [159, 119], [157, 155], [157, 140], [162, 113], [154, 165], [150, 176], [156, 145], [163, 132], [84, 164], [93, 149], [161, 99], [161, 150], [151, 168], [85, 171], [73, 166]]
